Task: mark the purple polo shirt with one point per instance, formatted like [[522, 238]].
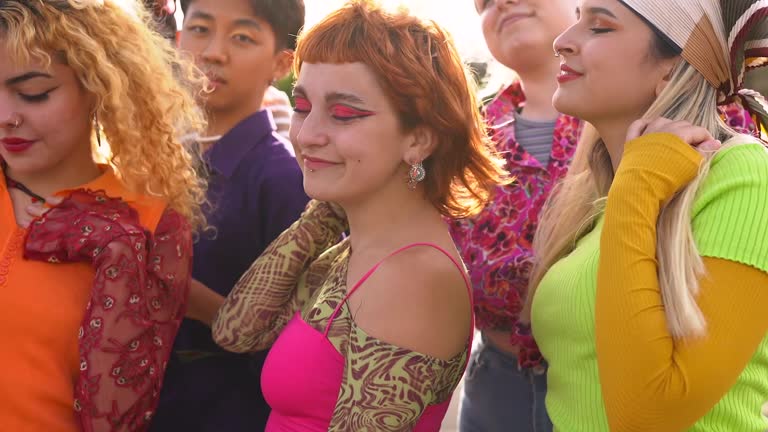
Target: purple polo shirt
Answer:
[[256, 192]]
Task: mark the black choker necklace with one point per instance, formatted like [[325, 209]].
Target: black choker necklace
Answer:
[[20, 186]]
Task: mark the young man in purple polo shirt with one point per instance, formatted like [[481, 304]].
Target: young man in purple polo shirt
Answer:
[[255, 192]]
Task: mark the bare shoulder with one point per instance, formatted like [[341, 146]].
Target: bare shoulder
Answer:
[[418, 300]]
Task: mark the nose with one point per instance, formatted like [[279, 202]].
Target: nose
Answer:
[[502, 4], [215, 51], [9, 120], [308, 132], [481, 5], [565, 44]]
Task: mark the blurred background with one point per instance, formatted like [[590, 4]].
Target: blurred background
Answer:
[[462, 21]]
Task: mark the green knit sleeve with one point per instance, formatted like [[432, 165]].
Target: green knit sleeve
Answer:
[[730, 215]]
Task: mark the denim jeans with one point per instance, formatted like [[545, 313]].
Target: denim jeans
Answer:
[[497, 397]]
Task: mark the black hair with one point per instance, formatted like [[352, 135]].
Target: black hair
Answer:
[[286, 17]]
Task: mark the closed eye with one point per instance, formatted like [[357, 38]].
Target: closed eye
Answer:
[[301, 105], [346, 112], [36, 98]]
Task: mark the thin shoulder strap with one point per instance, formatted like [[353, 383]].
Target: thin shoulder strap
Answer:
[[402, 249]]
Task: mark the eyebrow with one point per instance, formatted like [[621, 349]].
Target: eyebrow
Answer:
[[246, 22], [26, 77], [331, 97], [201, 15], [597, 11], [343, 97], [240, 22]]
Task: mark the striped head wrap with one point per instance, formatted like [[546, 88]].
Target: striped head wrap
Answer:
[[722, 39]]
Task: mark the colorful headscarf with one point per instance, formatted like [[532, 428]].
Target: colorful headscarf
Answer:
[[722, 39]]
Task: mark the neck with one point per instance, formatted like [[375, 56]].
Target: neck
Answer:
[[539, 85], [614, 135], [221, 121], [375, 223], [57, 178]]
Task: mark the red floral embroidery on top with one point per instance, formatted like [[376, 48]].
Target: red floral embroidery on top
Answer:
[[137, 303]]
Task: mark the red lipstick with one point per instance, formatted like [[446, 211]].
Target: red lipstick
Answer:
[[16, 145], [567, 74]]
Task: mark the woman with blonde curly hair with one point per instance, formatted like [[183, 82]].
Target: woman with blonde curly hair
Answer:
[[94, 288]]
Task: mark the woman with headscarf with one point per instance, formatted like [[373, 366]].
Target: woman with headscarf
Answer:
[[651, 282]]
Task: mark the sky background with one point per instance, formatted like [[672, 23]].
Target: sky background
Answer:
[[457, 16], [460, 19]]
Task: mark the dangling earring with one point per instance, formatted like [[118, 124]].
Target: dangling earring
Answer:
[[416, 174], [97, 128]]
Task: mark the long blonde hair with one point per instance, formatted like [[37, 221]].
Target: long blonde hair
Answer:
[[577, 202], [144, 92]]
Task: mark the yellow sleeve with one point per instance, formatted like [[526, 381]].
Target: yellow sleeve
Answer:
[[650, 381]]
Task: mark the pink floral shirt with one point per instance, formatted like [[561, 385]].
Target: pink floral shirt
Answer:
[[496, 245]]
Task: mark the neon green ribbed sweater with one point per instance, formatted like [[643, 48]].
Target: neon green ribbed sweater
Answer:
[[628, 362]]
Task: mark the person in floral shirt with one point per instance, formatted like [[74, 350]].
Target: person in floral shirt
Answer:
[[505, 384]]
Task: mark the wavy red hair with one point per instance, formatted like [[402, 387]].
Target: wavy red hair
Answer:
[[419, 68]]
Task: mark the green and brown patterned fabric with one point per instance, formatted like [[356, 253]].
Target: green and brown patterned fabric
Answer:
[[722, 39]]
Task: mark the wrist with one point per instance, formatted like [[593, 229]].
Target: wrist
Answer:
[[658, 163]]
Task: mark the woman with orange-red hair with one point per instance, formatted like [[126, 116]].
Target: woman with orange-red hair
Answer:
[[371, 332]]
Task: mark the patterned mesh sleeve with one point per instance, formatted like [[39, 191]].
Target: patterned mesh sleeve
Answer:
[[387, 388], [137, 302], [267, 295]]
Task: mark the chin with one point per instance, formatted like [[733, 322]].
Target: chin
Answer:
[[567, 104], [216, 101], [26, 166], [320, 192]]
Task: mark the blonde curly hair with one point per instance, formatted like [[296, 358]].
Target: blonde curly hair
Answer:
[[144, 91]]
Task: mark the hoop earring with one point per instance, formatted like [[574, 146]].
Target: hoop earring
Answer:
[[416, 175]]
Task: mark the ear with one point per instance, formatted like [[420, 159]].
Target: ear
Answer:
[[668, 68], [421, 143], [282, 65]]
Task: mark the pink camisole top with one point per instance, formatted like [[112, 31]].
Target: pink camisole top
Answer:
[[303, 372]]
